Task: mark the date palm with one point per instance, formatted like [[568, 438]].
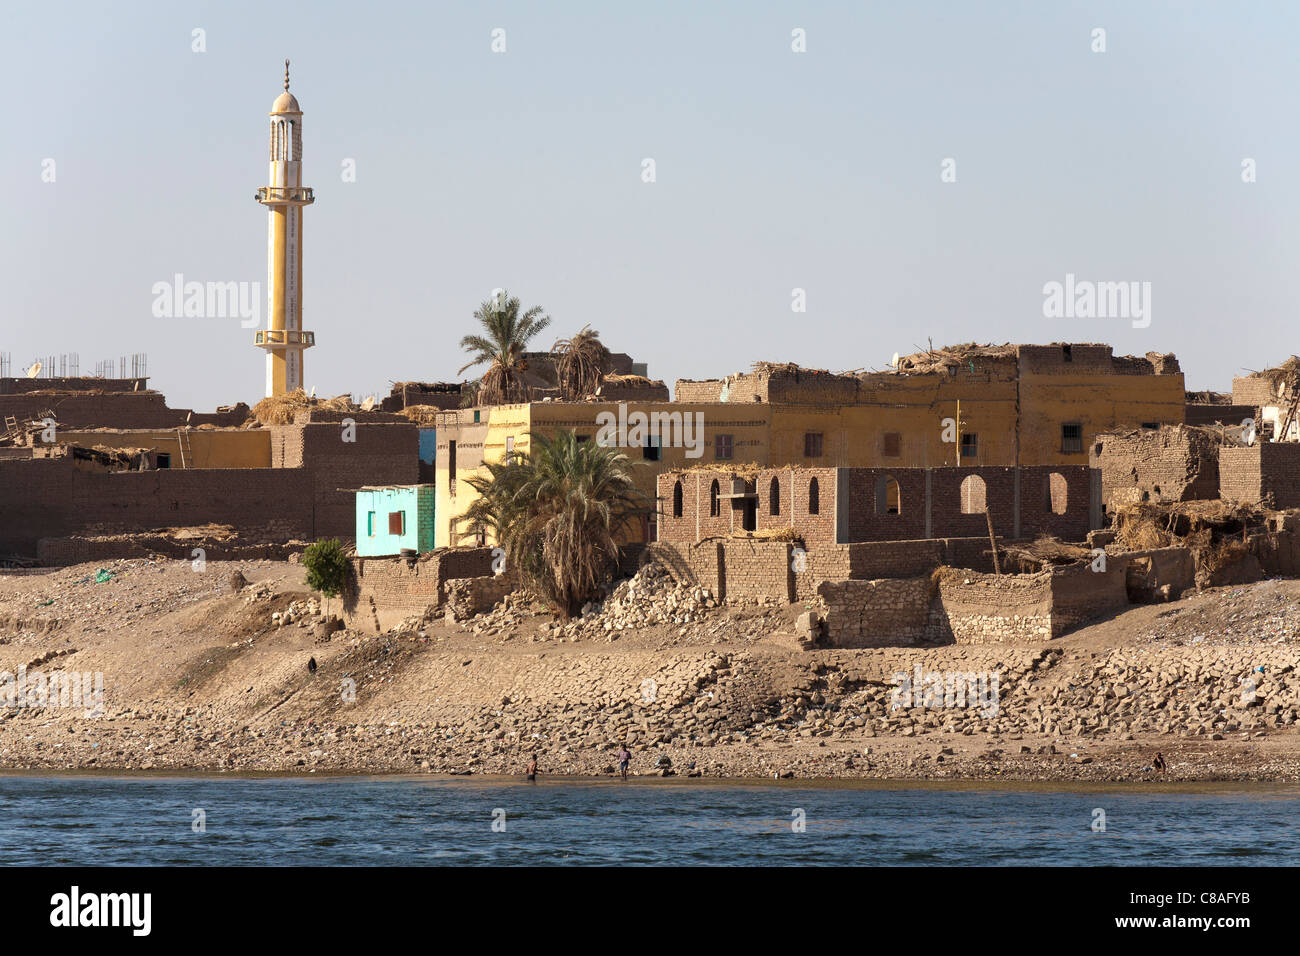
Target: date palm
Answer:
[[580, 364], [502, 346], [560, 512]]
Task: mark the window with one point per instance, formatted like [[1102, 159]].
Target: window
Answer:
[[888, 501], [510, 444], [1066, 354], [715, 507], [451, 468], [812, 444], [1151, 426], [970, 445], [582, 438], [397, 522], [677, 500], [164, 460], [722, 447], [650, 450], [972, 495], [774, 497], [893, 444], [814, 498], [476, 414], [1071, 438], [370, 524]]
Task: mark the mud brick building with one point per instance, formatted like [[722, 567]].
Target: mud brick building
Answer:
[[1013, 407], [297, 486]]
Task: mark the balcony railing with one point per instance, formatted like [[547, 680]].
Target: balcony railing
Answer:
[[297, 195], [270, 338]]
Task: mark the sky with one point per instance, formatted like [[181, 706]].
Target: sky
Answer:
[[921, 171]]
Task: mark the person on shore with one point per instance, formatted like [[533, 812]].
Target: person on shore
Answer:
[[532, 768], [624, 758], [1159, 762]]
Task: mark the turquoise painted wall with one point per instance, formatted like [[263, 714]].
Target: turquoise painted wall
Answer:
[[413, 502]]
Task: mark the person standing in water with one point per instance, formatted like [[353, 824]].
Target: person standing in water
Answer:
[[624, 758], [532, 768]]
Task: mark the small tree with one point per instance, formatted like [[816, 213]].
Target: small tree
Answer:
[[327, 568]]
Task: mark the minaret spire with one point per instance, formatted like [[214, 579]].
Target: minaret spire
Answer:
[[284, 197]]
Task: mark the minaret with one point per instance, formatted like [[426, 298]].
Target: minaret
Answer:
[[284, 339]]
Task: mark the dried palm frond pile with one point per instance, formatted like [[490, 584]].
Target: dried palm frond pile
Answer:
[[281, 409], [421, 414]]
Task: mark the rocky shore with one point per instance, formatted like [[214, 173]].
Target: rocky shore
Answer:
[[200, 675]]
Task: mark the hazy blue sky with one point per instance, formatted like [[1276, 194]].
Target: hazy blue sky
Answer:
[[775, 170]]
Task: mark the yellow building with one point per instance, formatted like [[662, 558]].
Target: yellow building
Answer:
[[183, 447], [469, 437], [284, 198]]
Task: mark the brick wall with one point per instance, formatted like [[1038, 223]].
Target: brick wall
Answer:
[[112, 410], [383, 454], [1254, 390], [385, 591], [1174, 463], [45, 498], [875, 504], [1250, 472]]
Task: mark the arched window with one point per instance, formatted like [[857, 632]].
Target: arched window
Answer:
[[715, 508], [888, 499], [814, 498], [774, 497], [1056, 493], [972, 495], [677, 500]]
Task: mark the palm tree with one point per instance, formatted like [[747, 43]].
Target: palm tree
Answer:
[[559, 512], [580, 364], [503, 345]]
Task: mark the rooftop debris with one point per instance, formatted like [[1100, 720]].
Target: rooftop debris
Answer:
[[421, 414], [954, 356], [280, 409]]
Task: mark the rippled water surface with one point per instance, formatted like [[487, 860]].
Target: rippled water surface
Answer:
[[82, 820]]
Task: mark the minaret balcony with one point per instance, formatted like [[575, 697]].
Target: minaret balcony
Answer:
[[283, 338], [285, 196]]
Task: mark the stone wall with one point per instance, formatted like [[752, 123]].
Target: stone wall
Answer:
[[958, 606], [887, 613]]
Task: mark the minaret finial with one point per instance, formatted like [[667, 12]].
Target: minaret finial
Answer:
[[286, 76]]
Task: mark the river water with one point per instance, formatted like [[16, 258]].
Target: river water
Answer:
[[279, 821]]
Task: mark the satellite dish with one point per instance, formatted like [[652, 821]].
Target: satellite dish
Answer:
[[368, 404], [893, 362], [34, 370]]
